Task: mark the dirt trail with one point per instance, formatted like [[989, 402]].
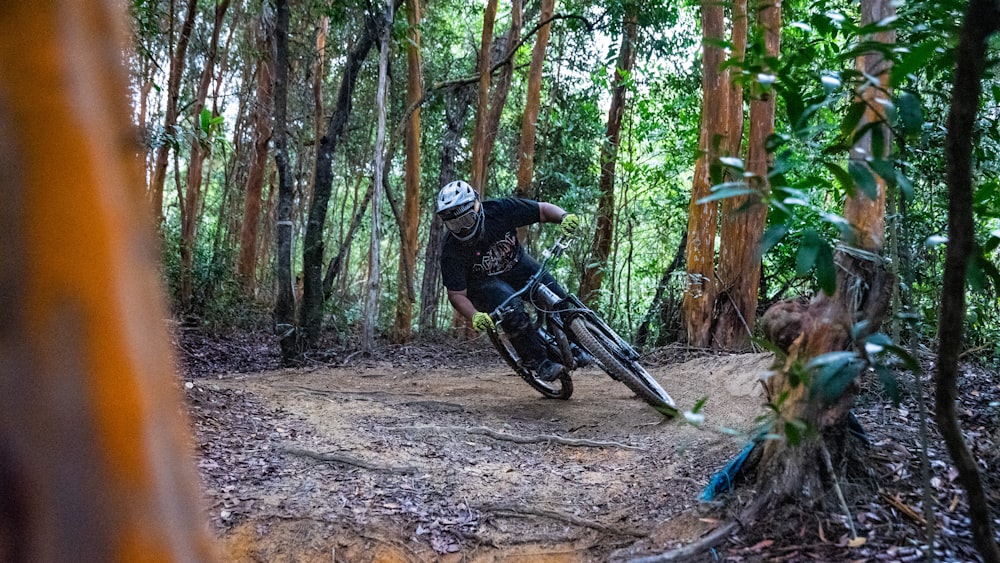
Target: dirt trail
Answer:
[[390, 462]]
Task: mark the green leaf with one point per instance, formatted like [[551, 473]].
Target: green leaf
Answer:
[[904, 184], [834, 371], [698, 406], [911, 113], [889, 382], [793, 432], [727, 190], [842, 176], [809, 246], [772, 236], [826, 269], [885, 169], [851, 119], [732, 162], [863, 178], [912, 62], [206, 119]]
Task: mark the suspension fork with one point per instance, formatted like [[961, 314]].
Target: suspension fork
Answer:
[[554, 323]]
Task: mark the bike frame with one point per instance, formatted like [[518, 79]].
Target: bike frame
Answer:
[[555, 311]]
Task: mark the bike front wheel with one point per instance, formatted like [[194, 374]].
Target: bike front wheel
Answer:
[[620, 365], [561, 388]]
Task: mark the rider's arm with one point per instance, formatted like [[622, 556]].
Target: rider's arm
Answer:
[[460, 301], [550, 212]]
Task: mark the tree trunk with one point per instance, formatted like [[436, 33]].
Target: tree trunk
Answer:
[[593, 274], [501, 88], [374, 254], [982, 20], [177, 62], [743, 217], [661, 309], [337, 263], [250, 225], [532, 105], [457, 101], [411, 204], [284, 305], [699, 294], [311, 311], [191, 203], [95, 452], [828, 323], [479, 157]]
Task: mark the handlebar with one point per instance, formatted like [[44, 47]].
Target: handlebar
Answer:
[[549, 254]]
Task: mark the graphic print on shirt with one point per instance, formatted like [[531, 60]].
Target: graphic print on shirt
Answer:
[[500, 258]]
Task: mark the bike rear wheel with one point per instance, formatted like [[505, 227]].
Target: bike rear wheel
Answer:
[[561, 388], [621, 366]]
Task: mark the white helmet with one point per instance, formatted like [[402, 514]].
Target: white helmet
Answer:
[[459, 207]]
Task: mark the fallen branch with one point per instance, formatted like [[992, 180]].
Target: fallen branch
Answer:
[[714, 538], [904, 508], [537, 439], [347, 460], [559, 515]]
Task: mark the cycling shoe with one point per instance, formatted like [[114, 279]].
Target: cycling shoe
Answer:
[[550, 371]]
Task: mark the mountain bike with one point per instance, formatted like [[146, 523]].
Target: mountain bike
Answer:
[[570, 331]]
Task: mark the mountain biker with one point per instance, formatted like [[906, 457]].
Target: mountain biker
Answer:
[[483, 263]]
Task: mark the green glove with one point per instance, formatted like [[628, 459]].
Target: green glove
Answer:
[[570, 224], [481, 321]]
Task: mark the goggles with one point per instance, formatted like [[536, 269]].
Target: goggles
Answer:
[[462, 222]]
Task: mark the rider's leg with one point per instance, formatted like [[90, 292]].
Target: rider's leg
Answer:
[[486, 295], [519, 275], [525, 268]]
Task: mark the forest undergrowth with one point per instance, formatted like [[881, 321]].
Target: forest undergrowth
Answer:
[[884, 518]]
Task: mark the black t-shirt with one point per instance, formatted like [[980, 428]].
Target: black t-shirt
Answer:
[[495, 251]]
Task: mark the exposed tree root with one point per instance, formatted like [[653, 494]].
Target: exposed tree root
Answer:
[[562, 516], [347, 460], [537, 439], [713, 538]]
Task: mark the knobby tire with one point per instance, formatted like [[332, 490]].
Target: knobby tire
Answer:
[[561, 388], [621, 367]]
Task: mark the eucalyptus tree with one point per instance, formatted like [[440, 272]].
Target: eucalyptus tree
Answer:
[[411, 212], [311, 309], [590, 281], [700, 288], [169, 135], [284, 303], [260, 123], [207, 125], [532, 104]]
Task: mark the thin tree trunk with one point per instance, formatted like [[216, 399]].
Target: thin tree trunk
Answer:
[[743, 217], [593, 274], [95, 453], [479, 156], [657, 306], [828, 323], [457, 102], [411, 204], [982, 20], [284, 305], [177, 62], [191, 203], [311, 311], [250, 225], [373, 282], [502, 51], [337, 263], [699, 295], [532, 104]]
